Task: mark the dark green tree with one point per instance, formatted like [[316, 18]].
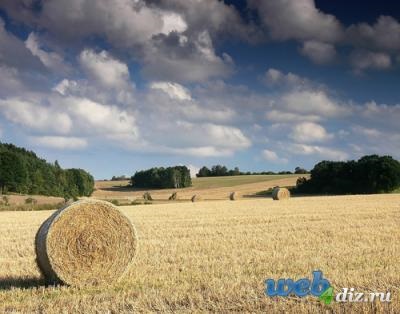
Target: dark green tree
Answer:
[[22, 171], [203, 172], [299, 170], [369, 174], [171, 177], [219, 171], [13, 175]]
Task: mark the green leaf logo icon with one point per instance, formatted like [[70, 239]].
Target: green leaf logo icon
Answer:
[[327, 296]]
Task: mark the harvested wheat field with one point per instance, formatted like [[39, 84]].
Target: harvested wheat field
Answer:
[[209, 188], [38, 199], [214, 257]]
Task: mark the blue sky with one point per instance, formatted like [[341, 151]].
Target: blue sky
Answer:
[[117, 86]]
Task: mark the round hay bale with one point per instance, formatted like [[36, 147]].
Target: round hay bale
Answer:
[[86, 243], [147, 196], [195, 198], [232, 196], [279, 193], [173, 197]]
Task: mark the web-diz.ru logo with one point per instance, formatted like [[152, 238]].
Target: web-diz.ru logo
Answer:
[[321, 288], [300, 288]]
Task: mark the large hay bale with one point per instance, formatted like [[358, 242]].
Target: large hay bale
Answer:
[[279, 193], [232, 196], [86, 243]]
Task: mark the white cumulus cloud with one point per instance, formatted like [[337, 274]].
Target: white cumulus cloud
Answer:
[[300, 19], [309, 132], [313, 103], [99, 118], [51, 60], [363, 60], [173, 90], [182, 59], [71, 116], [276, 77], [281, 116], [105, 69], [272, 156], [173, 22], [59, 142], [320, 151], [318, 52], [36, 116], [383, 35]]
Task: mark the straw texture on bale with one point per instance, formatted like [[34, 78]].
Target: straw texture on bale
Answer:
[[85, 243], [232, 196], [280, 193]]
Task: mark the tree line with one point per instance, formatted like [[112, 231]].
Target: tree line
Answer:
[[220, 171], [22, 171], [119, 178], [369, 174], [162, 178]]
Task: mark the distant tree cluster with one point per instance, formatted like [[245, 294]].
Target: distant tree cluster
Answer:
[[369, 174], [299, 170], [220, 171], [162, 178], [21, 171], [119, 178], [217, 171]]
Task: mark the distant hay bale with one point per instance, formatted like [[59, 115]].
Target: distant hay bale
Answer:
[[232, 196], [279, 193], [85, 243], [31, 200], [195, 198], [173, 197], [147, 196]]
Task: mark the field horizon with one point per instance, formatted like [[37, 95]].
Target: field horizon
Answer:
[[208, 188]]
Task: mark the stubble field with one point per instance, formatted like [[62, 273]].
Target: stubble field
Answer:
[[209, 188], [214, 256]]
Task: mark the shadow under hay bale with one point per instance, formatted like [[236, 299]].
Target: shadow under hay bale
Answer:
[[279, 193], [86, 243], [233, 196], [8, 283]]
